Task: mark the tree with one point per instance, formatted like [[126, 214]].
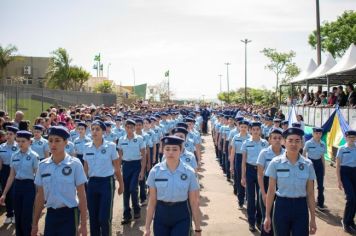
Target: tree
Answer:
[[78, 76], [254, 96], [104, 87], [281, 64], [6, 56], [336, 36]]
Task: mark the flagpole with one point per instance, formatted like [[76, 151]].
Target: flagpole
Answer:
[[168, 89]]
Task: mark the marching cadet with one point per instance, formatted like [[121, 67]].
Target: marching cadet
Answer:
[[284, 125], [158, 132], [251, 148], [314, 149], [151, 152], [79, 142], [39, 144], [118, 130], [60, 183], [24, 164], [236, 160], [195, 136], [173, 187], [346, 176], [291, 178], [101, 162], [6, 151], [264, 158], [108, 134], [226, 146], [132, 155]]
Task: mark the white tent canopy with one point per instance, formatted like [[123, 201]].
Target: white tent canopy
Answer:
[[347, 62], [308, 71], [324, 67]]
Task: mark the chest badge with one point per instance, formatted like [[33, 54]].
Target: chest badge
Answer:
[[187, 159], [103, 151], [183, 177], [40, 143], [186, 145], [28, 158], [67, 146], [66, 170], [14, 148], [135, 140], [301, 166]]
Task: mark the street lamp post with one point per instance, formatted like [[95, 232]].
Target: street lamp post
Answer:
[[228, 82], [220, 82], [246, 41], [318, 37]]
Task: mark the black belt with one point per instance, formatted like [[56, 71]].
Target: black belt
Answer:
[[251, 166], [170, 203]]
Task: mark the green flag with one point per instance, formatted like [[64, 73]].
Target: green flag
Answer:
[[166, 74], [97, 57]]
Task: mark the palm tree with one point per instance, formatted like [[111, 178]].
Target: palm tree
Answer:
[[78, 76], [6, 56], [58, 74]]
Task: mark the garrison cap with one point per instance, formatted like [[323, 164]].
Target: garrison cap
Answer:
[[100, 124], [350, 132], [172, 140], [12, 129], [24, 134]]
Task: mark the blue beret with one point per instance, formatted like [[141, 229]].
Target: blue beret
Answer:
[[255, 124], [153, 118], [59, 131], [100, 124], [182, 124], [130, 122], [108, 123], [24, 134], [284, 122], [62, 123], [164, 114], [296, 125], [256, 116], [276, 131], [277, 120], [172, 140], [350, 132], [268, 118], [97, 118], [188, 119], [118, 118], [180, 130], [82, 124], [38, 127], [239, 118], [88, 120], [244, 122], [148, 119], [157, 116], [139, 120], [317, 129], [12, 129], [293, 131]]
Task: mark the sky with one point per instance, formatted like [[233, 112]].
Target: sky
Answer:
[[190, 38]]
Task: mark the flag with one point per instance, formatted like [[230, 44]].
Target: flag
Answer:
[[166, 74], [333, 133], [97, 57], [292, 117]]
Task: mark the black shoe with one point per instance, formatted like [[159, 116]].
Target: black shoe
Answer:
[[348, 228], [252, 228], [321, 207], [259, 226], [241, 206], [137, 215], [235, 191], [125, 221]]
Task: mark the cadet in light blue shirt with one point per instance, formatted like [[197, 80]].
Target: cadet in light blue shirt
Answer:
[[291, 178], [172, 183], [60, 180], [73, 134], [70, 148], [39, 144], [79, 143], [109, 135]]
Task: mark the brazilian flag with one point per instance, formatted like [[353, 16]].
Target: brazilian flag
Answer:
[[166, 74], [97, 57]]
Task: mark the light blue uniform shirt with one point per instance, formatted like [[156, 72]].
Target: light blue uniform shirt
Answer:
[[232, 134], [172, 186], [189, 159], [266, 155], [237, 142], [164, 125], [40, 146], [131, 148], [291, 179], [150, 137], [347, 156], [119, 132], [25, 164], [189, 145], [79, 144], [314, 150], [111, 137], [158, 133], [253, 149], [6, 152], [100, 159], [59, 182], [69, 148], [192, 138], [73, 135]]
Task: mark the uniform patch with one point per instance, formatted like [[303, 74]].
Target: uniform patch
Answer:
[[263, 144], [186, 145], [67, 170], [103, 151], [28, 158], [135, 140], [187, 159], [183, 177], [301, 166], [14, 148], [40, 142], [67, 146]]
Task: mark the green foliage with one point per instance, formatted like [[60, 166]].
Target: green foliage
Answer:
[[281, 64], [336, 36], [104, 87], [254, 96], [78, 76], [6, 56]]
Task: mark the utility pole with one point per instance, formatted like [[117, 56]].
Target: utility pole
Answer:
[[220, 83], [318, 37], [246, 41], [228, 82]]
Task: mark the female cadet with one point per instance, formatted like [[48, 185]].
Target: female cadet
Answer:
[[236, 160], [39, 144], [346, 176], [172, 184], [60, 183], [315, 149], [24, 164], [251, 148], [6, 151], [151, 154], [101, 162], [79, 142], [266, 155], [293, 176]]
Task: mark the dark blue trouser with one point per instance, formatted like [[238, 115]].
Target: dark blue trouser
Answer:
[[348, 179], [263, 208], [62, 221], [222, 160], [130, 173], [100, 201], [227, 161], [151, 158], [4, 174], [157, 152], [241, 192], [24, 196], [172, 220], [291, 216], [80, 157], [319, 172], [252, 188]]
